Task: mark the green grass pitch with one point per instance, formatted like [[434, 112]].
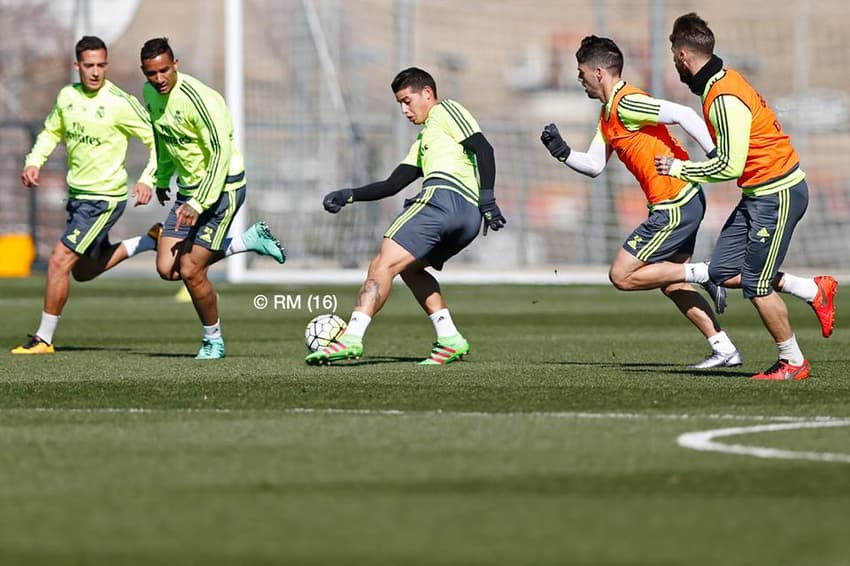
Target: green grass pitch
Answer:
[[555, 442]]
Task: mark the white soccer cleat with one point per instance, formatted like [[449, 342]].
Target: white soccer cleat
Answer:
[[720, 360]]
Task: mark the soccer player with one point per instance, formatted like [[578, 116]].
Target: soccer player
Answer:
[[633, 124], [194, 139], [94, 118], [459, 171], [752, 148]]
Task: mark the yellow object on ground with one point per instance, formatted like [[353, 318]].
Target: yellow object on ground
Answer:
[[17, 253]]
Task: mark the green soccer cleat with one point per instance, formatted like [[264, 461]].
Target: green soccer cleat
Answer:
[[336, 351], [447, 351], [211, 349], [259, 238]]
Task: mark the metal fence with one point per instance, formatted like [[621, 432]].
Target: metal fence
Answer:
[[319, 113]]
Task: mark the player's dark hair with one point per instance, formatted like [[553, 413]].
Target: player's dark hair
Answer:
[[88, 43], [692, 32], [155, 47], [600, 52], [415, 78]]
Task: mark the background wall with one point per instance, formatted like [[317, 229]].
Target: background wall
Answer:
[[510, 62]]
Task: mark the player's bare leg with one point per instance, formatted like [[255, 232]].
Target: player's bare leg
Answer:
[[791, 363], [450, 345], [56, 290], [109, 256], [424, 287], [194, 268], [628, 273], [59, 267], [392, 259]]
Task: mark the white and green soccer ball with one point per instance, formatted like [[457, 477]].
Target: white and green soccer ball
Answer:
[[322, 329]]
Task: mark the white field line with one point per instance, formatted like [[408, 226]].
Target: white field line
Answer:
[[704, 441], [401, 413]]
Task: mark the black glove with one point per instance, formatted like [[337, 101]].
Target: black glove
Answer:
[[493, 218], [162, 195], [335, 200], [553, 141]]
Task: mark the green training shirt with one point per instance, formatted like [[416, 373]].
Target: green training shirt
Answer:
[[95, 127], [438, 152], [194, 138]]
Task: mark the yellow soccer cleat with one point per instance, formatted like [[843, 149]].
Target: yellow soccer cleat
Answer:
[[35, 346], [155, 231]]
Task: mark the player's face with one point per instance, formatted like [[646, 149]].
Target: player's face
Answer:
[[92, 69], [161, 72], [415, 105], [591, 80], [685, 75]]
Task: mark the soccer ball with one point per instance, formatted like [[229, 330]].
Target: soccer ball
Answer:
[[322, 329]]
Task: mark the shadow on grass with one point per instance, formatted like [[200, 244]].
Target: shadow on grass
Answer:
[[93, 349], [374, 361], [660, 368]]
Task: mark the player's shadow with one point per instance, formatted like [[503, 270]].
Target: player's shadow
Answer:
[[668, 368], [377, 360], [93, 349]]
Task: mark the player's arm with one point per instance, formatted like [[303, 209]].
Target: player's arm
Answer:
[[688, 120], [164, 169], [402, 176], [732, 122], [485, 160], [637, 110], [137, 123], [590, 163], [213, 125], [45, 143]]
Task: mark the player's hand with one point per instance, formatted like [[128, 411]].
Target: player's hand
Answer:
[[553, 141], [29, 176], [186, 216], [335, 200], [143, 194], [663, 164], [493, 218], [162, 195]]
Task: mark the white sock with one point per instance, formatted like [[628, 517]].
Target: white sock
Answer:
[[47, 327], [789, 350], [696, 272], [213, 331], [801, 287], [357, 324], [443, 324], [139, 244], [234, 245], [720, 342]]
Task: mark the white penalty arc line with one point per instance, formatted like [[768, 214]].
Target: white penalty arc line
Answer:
[[701, 441], [436, 412], [704, 441]]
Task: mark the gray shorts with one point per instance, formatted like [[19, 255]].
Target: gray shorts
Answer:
[[88, 224], [435, 225], [755, 239], [667, 232], [212, 225]]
